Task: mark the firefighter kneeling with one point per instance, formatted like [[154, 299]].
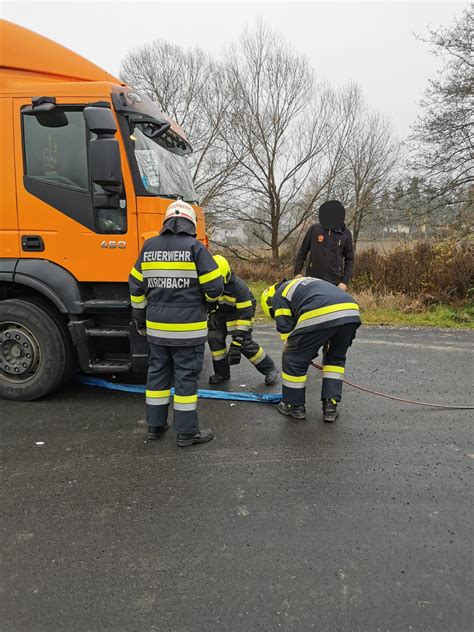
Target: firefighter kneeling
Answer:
[[310, 314], [234, 315]]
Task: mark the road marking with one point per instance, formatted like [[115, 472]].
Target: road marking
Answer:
[[414, 345]]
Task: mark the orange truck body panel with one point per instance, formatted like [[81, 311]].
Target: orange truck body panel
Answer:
[[32, 65], [9, 243], [22, 49]]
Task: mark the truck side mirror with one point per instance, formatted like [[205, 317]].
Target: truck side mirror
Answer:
[[46, 112], [104, 152]]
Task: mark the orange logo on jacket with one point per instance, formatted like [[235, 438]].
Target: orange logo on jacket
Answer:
[[320, 237]]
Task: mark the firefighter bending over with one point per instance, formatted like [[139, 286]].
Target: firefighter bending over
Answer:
[[310, 314], [170, 283], [234, 315]]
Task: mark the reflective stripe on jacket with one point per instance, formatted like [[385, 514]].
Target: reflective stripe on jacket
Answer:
[[170, 283], [237, 306], [305, 304]]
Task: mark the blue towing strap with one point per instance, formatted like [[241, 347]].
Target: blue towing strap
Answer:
[[244, 396]]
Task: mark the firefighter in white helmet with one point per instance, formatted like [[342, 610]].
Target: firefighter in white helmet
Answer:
[[171, 282]]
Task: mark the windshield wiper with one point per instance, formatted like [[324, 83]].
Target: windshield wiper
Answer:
[[170, 196], [173, 196]]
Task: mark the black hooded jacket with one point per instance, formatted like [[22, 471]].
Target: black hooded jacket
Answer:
[[331, 254]]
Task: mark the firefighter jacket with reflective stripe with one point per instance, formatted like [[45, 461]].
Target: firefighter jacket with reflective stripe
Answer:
[[237, 306], [170, 283], [331, 254], [307, 304]]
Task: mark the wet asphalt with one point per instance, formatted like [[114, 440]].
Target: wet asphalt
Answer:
[[362, 525]]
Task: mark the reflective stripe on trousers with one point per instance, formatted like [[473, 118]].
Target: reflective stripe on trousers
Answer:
[[293, 378], [333, 374], [258, 357], [250, 350], [185, 402], [158, 398]]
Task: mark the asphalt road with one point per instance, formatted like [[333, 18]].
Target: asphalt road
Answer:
[[363, 525]]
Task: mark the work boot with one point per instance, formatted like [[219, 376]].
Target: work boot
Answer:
[[330, 410], [271, 377], [201, 436], [218, 378], [290, 410], [155, 432]]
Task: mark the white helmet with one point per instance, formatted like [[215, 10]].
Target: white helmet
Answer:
[[181, 209]]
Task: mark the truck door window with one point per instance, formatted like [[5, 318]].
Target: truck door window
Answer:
[[56, 171], [57, 154]]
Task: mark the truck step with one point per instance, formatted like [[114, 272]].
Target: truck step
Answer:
[[110, 366], [108, 332], [100, 304]]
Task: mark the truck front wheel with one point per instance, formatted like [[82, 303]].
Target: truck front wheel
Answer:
[[34, 350]]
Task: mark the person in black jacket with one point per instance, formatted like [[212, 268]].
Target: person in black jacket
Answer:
[[171, 282], [311, 314], [330, 245], [234, 315]]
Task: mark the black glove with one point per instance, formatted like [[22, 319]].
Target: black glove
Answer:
[[235, 352], [139, 320], [213, 320], [212, 306], [141, 328]]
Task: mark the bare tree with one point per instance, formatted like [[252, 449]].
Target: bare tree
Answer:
[[187, 85], [331, 180], [279, 132], [442, 138], [270, 141], [368, 164]]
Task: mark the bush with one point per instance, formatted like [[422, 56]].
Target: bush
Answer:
[[426, 272]]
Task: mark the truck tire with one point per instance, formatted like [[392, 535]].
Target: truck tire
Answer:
[[35, 353], [71, 355]]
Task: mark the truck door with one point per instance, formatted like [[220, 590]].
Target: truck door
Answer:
[[58, 215], [8, 212]]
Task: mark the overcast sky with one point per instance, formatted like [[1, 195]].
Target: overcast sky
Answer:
[[371, 43]]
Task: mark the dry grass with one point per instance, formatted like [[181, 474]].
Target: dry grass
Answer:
[[402, 310], [259, 269], [367, 301]]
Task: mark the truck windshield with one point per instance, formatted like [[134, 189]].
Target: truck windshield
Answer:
[[162, 172]]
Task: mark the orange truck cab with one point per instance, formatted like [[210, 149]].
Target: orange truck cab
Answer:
[[88, 168]]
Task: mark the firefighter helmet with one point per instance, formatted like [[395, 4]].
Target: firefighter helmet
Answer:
[[181, 209], [224, 267], [266, 300]]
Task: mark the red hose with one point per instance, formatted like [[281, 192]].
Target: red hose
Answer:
[[397, 399]]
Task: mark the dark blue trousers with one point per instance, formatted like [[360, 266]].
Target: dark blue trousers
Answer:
[[182, 367], [302, 348]]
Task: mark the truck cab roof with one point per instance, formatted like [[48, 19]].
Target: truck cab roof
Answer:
[[24, 50], [31, 64]]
